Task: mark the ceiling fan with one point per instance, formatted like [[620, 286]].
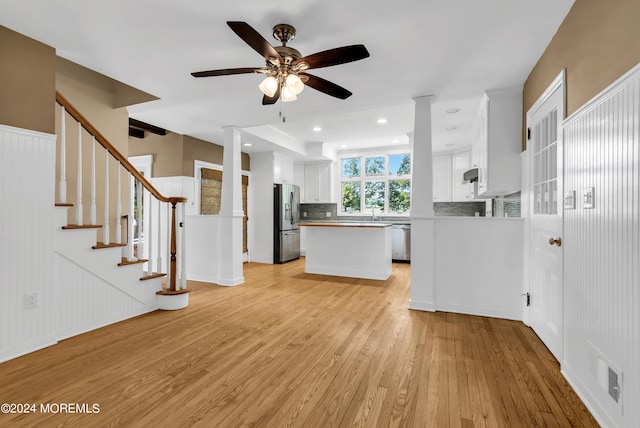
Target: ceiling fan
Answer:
[[285, 68]]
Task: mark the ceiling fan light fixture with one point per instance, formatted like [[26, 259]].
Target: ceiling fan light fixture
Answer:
[[287, 95], [269, 86], [294, 84]]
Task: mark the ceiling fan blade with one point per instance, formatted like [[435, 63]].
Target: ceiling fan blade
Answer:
[[335, 56], [329, 88], [271, 100], [251, 37], [225, 72]]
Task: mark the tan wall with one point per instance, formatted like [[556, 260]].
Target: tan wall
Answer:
[[166, 151], [27, 82], [174, 154], [597, 43]]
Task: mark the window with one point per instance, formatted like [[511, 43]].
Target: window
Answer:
[[385, 180]]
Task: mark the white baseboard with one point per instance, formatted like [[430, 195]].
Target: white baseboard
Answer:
[[231, 282], [479, 311], [600, 415], [351, 273], [422, 306], [26, 348]]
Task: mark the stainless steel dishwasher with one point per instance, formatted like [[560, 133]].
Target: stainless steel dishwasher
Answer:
[[401, 242]]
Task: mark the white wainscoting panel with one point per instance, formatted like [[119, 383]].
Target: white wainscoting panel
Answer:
[[27, 180], [478, 266], [602, 250], [203, 248]]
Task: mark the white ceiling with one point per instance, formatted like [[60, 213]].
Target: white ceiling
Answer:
[[452, 49]]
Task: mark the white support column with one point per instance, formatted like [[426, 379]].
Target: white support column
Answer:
[[231, 212], [62, 182], [78, 205], [422, 215], [92, 206], [105, 223]]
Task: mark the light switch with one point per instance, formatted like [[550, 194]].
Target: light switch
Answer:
[[570, 200], [588, 198]]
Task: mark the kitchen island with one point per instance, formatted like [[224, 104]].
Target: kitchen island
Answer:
[[356, 250]]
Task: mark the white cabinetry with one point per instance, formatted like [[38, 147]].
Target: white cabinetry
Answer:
[[497, 142], [447, 178], [317, 183], [282, 169], [460, 163], [442, 178]]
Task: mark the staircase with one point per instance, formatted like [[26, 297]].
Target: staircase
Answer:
[[122, 259]]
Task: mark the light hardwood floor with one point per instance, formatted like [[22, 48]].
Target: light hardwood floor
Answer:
[[291, 349]]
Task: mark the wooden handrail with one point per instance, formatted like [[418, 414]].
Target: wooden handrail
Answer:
[[73, 112], [172, 268]]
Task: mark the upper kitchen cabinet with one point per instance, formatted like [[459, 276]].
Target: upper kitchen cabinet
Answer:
[[317, 183], [497, 143], [448, 170], [282, 169]]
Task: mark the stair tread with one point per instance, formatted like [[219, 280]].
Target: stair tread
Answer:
[[101, 245], [84, 226], [61, 204], [126, 262], [166, 292], [153, 275]]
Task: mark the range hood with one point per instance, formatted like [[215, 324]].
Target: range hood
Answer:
[[470, 176]]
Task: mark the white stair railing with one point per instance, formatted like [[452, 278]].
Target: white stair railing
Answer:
[[144, 190]]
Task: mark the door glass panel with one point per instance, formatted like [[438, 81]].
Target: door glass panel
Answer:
[[545, 165]]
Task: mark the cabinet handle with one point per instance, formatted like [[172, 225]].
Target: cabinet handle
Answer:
[[557, 241]]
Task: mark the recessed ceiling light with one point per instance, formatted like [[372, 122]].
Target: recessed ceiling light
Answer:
[[248, 144], [395, 141], [344, 146], [451, 128], [452, 110], [382, 120], [317, 129]]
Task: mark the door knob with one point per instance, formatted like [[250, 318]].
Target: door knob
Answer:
[[557, 241]]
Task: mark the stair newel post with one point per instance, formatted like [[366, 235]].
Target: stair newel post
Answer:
[[62, 183], [118, 206], [92, 184], [183, 273], [105, 223], [79, 179], [130, 219], [159, 261], [173, 259]]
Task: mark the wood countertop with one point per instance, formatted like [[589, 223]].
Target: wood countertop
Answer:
[[348, 224]]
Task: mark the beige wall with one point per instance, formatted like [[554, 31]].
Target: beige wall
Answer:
[[174, 154], [27, 82], [597, 43]]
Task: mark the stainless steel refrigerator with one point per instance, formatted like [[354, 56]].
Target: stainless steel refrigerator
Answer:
[[286, 214]]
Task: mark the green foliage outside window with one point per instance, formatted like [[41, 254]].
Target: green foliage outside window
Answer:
[[351, 167], [374, 195], [399, 196], [351, 196], [374, 166]]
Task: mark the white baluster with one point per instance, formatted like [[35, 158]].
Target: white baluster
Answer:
[[140, 224], [150, 238], [105, 226], [183, 274], [118, 207], [159, 261], [62, 183], [92, 207], [130, 220], [168, 259], [79, 179]]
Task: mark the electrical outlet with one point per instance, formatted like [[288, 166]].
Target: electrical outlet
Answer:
[[328, 214], [31, 300]]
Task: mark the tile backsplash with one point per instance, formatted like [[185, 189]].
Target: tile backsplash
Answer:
[[318, 211], [459, 209]]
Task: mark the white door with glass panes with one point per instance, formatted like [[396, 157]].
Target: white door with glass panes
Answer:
[[375, 185], [545, 238]]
